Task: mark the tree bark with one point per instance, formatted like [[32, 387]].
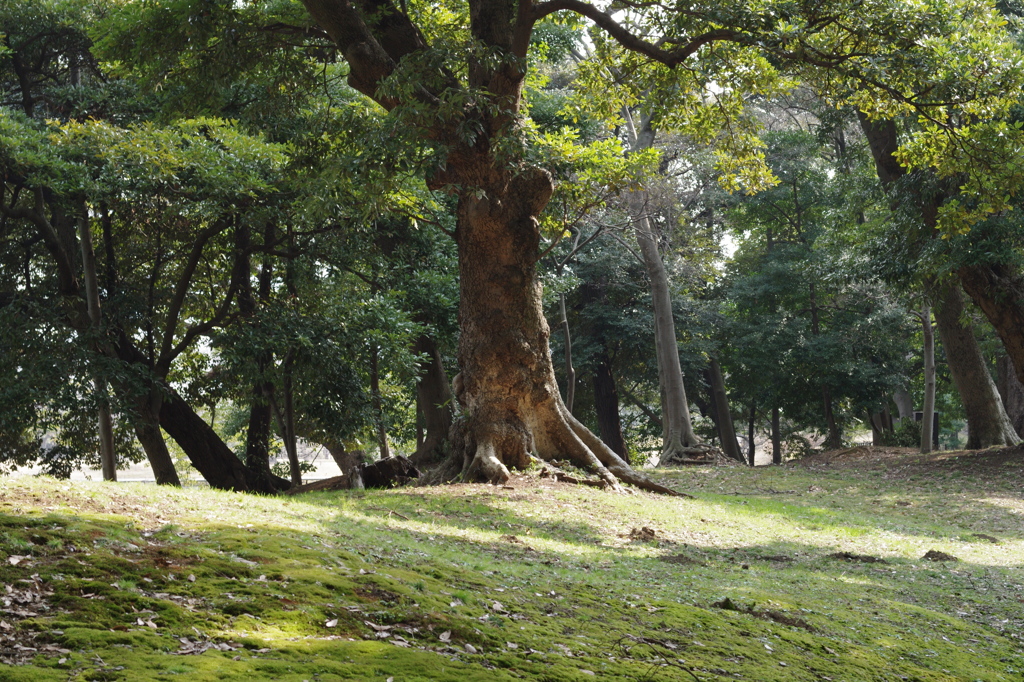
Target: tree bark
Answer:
[[751, 424], [207, 452], [108, 458], [433, 401], [507, 388], [998, 290], [606, 404], [776, 437], [349, 462], [726, 429], [146, 422], [927, 412], [378, 404], [1012, 392], [987, 422], [570, 371], [904, 403]]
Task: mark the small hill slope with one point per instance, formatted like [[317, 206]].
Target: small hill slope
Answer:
[[804, 572]]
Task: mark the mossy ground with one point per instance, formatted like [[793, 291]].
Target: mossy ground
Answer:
[[541, 581]]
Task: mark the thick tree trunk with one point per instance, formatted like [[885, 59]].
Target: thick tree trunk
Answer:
[[207, 452], [606, 404], [987, 422], [904, 403], [999, 291], [1011, 390], [928, 411], [433, 401], [726, 429], [349, 462], [257, 439], [507, 386], [146, 422]]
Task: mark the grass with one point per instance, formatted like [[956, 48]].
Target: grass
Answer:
[[539, 582]]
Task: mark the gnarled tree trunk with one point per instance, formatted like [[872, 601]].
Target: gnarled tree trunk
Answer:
[[507, 386]]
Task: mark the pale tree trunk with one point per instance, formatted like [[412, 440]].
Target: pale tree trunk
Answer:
[[904, 403], [1012, 392], [679, 438], [928, 411], [751, 425], [987, 423], [378, 404], [776, 436], [570, 371], [108, 459], [726, 429]]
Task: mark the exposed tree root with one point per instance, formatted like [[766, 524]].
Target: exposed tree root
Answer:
[[699, 453]]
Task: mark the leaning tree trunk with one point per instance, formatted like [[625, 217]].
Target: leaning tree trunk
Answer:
[[507, 388], [207, 452], [999, 291], [987, 423], [146, 422]]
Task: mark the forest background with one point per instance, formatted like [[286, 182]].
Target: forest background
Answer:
[[218, 237]]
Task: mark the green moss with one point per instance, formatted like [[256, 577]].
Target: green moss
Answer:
[[542, 585]]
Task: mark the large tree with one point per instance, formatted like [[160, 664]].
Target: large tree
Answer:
[[462, 93]]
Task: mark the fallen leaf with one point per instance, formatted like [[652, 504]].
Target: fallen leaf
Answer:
[[191, 578], [469, 648], [444, 636], [332, 623]]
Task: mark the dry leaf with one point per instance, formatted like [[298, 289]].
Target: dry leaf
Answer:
[[332, 623], [445, 636], [469, 648]]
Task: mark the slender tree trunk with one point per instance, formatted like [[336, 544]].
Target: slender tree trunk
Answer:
[[378, 405], [108, 458], [726, 429], [433, 402], [1012, 392], [290, 441], [751, 424], [987, 422], [606, 404], [776, 437], [570, 371], [927, 413], [677, 428]]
